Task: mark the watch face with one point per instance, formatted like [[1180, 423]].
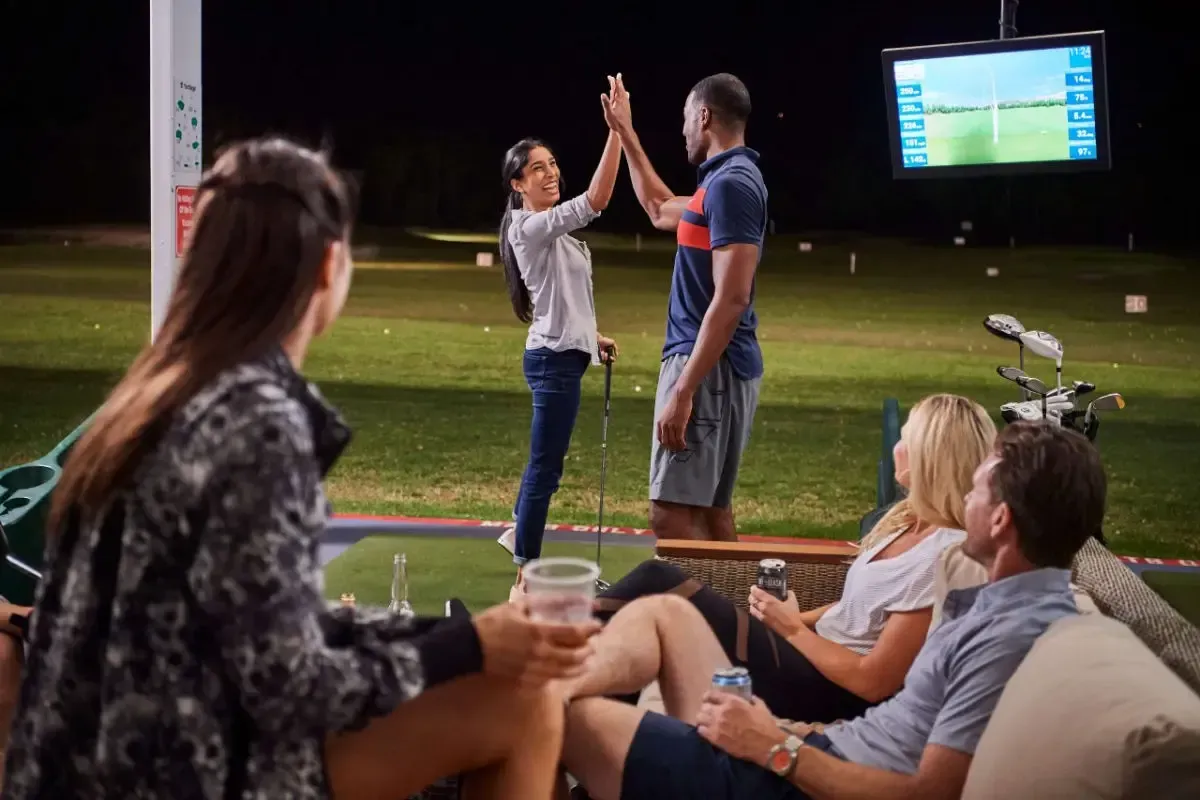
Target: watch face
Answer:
[[780, 761]]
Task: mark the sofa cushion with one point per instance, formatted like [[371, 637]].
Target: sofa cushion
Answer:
[[1090, 714]]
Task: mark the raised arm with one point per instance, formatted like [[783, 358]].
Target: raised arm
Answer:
[[296, 663], [579, 211], [661, 204]]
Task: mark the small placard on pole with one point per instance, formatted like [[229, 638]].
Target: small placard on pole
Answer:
[[1135, 304], [967, 226], [806, 247], [959, 241], [485, 259]]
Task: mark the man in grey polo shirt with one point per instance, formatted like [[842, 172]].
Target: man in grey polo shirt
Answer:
[[1033, 504]]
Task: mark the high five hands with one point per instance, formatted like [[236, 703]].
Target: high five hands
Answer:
[[616, 106]]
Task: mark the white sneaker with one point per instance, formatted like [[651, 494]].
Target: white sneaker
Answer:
[[508, 540]]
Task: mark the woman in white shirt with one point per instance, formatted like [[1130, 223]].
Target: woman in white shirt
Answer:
[[549, 277], [832, 662]]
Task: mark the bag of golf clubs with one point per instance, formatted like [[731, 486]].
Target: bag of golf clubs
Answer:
[[1038, 401]]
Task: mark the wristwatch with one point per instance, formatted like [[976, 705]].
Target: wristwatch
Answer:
[[782, 758]]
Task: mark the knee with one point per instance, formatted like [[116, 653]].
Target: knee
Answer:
[[664, 609], [654, 576]]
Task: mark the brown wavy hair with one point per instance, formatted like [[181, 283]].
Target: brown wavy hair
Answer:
[[266, 214]]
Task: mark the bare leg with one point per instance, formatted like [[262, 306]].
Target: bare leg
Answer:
[[599, 734], [719, 524], [11, 660], [676, 521], [659, 637], [451, 729]]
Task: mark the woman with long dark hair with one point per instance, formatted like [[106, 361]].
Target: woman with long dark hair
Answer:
[[181, 647], [549, 277]]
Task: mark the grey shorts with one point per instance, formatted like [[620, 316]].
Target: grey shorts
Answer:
[[722, 414]]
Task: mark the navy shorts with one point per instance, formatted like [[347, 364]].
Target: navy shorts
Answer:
[[670, 759]]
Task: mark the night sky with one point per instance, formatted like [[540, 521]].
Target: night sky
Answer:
[[424, 98]]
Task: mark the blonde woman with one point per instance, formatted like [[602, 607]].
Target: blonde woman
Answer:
[[829, 663]]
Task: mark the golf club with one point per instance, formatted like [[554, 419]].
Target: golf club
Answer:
[[14, 562], [609, 353], [1008, 327], [1010, 373], [1105, 402], [1045, 345], [1083, 387], [1035, 386]]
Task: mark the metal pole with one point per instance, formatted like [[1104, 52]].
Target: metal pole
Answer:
[[1008, 18], [176, 127]]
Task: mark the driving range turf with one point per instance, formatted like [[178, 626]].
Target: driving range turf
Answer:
[[1026, 134], [426, 365]]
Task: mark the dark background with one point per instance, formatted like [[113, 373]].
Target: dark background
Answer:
[[423, 98]]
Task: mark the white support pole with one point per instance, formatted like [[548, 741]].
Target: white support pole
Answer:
[[175, 140]]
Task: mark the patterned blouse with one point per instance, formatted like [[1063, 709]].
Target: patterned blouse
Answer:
[[182, 649]]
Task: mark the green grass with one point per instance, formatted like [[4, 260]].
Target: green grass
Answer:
[[1180, 589], [476, 571], [1026, 134], [426, 366]]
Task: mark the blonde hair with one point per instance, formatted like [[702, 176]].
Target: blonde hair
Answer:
[[948, 437]]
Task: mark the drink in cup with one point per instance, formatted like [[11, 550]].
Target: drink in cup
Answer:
[[560, 589]]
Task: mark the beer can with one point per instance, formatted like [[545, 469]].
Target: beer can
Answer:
[[735, 680], [772, 577]]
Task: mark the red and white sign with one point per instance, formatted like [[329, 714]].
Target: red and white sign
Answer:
[[1135, 304], [185, 197]]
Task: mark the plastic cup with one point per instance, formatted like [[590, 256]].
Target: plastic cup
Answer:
[[560, 589]]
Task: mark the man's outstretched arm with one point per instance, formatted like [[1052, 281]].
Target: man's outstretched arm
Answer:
[[662, 205]]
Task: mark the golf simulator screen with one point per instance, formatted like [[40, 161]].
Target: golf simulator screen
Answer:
[[1035, 104]]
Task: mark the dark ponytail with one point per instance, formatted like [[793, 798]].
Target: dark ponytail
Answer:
[[515, 161], [518, 292]]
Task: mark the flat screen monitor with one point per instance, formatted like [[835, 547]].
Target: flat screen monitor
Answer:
[[1007, 106]]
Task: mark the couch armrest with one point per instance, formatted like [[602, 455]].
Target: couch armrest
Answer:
[[816, 572]]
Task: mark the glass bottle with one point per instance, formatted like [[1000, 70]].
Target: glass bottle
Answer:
[[400, 604]]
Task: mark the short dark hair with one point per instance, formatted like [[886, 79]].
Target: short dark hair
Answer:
[[1053, 483], [727, 97]]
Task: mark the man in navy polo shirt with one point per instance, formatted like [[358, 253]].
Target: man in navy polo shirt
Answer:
[[711, 364]]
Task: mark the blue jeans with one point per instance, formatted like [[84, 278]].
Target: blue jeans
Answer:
[[555, 380]]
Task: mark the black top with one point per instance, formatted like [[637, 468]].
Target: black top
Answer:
[[182, 647]]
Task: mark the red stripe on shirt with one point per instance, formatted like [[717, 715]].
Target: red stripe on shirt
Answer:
[[688, 234]]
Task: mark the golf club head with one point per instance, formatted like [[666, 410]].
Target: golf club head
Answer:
[[1083, 387], [1027, 410], [1032, 384], [1043, 344], [1005, 326], [1010, 373], [1091, 428], [1107, 402]]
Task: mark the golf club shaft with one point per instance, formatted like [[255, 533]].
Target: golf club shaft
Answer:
[[1021, 347], [608, 365]]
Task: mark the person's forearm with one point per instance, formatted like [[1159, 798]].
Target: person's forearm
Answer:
[[810, 618], [839, 664], [826, 777], [716, 331], [651, 192], [600, 191]]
